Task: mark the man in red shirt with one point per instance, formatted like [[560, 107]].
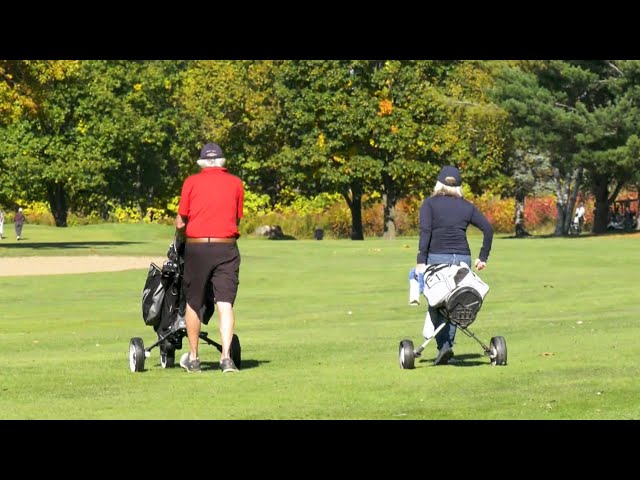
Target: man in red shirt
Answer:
[[209, 212]]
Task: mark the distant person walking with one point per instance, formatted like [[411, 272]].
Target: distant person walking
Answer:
[[17, 222], [1, 225]]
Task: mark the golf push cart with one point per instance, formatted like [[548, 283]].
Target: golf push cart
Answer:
[[163, 308], [458, 294]]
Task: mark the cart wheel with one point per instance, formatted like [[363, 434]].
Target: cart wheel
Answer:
[[235, 351], [136, 355], [406, 354], [498, 351], [167, 357]]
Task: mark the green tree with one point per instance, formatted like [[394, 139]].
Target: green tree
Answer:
[[48, 157], [543, 100], [367, 127], [24, 83], [327, 108], [581, 116], [131, 106], [101, 135], [234, 103], [611, 154]]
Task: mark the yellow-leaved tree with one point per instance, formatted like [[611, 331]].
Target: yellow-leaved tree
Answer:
[[22, 82]]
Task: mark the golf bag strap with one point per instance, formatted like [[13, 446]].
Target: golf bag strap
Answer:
[[436, 267]]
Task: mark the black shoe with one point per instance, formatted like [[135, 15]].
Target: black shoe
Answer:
[[188, 364], [443, 357], [227, 365]]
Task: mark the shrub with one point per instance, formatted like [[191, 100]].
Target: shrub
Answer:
[[372, 220], [498, 211], [297, 226], [338, 218], [408, 216], [301, 216], [539, 211]]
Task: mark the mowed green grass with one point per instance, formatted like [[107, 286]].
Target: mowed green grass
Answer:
[[320, 323]]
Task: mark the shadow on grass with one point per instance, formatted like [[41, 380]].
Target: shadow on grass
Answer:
[[24, 243], [206, 366], [464, 360], [246, 364], [573, 237], [284, 237], [549, 235], [469, 360]]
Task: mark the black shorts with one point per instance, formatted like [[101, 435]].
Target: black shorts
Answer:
[[208, 265]]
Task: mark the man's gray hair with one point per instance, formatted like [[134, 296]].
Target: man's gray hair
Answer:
[[442, 189], [216, 162]]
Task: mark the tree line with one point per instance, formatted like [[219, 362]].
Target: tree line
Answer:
[[86, 136]]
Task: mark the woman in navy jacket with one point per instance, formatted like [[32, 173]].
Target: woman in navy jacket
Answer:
[[444, 218]]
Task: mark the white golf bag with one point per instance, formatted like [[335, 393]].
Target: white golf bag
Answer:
[[442, 285]]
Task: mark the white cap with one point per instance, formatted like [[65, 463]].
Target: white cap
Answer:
[[20, 209]]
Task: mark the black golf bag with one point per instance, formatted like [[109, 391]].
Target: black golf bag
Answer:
[[163, 299]]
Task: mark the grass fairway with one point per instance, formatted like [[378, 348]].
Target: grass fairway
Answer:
[[320, 323]]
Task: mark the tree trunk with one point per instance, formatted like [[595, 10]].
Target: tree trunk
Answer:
[[601, 216], [565, 184], [521, 232], [355, 206], [140, 211], [389, 220], [576, 182], [389, 200], [356, 218], [57, 199], [561, 203], [600, 190]]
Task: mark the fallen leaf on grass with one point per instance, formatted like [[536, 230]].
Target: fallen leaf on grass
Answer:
[[547, 354]]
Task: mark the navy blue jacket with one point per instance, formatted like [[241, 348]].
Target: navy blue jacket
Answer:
[[443, 227]]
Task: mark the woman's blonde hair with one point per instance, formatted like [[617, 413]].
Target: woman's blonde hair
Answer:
[[442, 189]]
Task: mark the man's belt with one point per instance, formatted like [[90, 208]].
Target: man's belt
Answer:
[[210, 240]]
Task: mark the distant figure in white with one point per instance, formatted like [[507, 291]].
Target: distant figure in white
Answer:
[[579, 217]]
